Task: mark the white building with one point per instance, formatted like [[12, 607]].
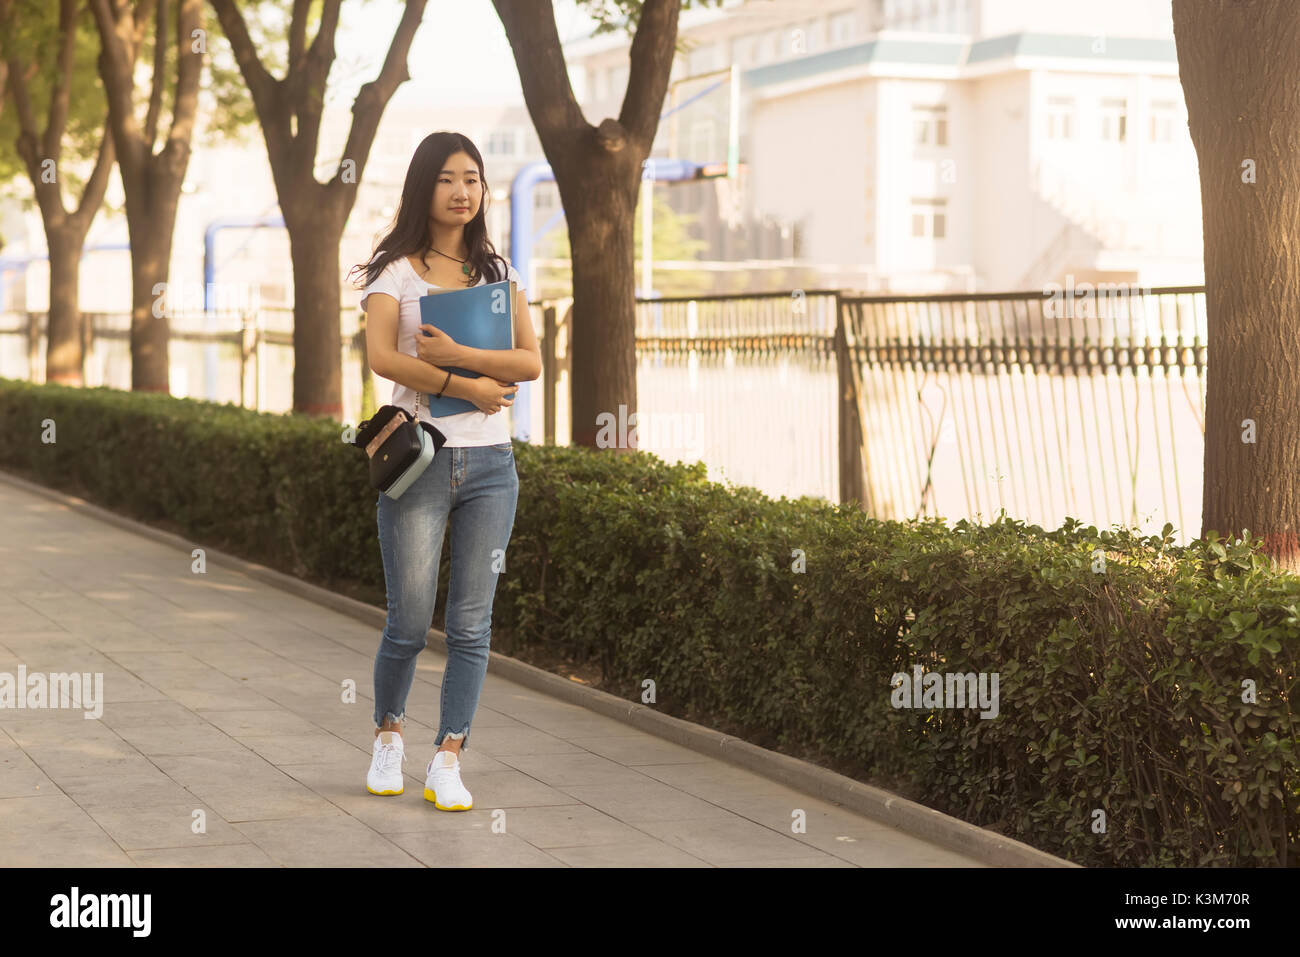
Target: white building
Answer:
[[933, 145]]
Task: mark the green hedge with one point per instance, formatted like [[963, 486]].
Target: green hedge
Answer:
[[1121, 690]]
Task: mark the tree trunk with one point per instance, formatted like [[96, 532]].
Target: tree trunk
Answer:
[[290, 110], [151, 222], [603, 337], [65, 232], [64, 362], [598, 173], [317, 337], [151, 181], [1238, 63]]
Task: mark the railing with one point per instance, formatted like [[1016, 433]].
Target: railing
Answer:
[[971, 404], [956, 405]]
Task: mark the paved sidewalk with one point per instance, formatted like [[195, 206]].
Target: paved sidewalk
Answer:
[[223, 695]]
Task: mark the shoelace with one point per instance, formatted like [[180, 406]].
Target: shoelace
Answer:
[[386, 754]]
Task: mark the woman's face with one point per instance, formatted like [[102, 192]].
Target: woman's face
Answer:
[[458, 192]]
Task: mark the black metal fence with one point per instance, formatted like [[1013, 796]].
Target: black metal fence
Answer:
[[1089, 403]]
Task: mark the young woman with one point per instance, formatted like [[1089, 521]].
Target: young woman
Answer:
[[439, 239]]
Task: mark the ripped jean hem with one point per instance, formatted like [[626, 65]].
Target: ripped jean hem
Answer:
[[389, 717], [462, 736]]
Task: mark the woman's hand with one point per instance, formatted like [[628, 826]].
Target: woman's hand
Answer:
[[436, 347], [489, 394]]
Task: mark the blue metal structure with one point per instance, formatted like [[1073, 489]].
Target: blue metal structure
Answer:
[[209, 274]]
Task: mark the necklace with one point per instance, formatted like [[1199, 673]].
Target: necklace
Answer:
[[464, 262]]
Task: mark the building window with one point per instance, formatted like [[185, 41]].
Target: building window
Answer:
[[842, 27], [1114, 120], [796, 41], [503, 143], [742, 50], [1060, 117], [1163, 113], [699, 141], [930, 125], [617, 80], [702, 59], [767, 46], [814, 34], [928, 218]]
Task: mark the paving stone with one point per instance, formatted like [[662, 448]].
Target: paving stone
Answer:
[[238, 765], [334, 840], [238, 802], [163, 825], [211, 855], [138, 789], [647, 853], [19, 775], [139, 662], [508, 742], [479, 848], [583, 767], [715, 781], [53, 831], [645, 801], [721, 841], [258, 722], [635, 748], [160, 739], [223, 694], [163, 713], [570, 825], [315, 746]]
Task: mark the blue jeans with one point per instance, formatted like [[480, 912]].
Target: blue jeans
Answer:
[[475, 489]]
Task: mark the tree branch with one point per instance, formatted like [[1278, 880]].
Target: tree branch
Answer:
[[535, 43], [306, 87], [47, 194], [189, 66], [159, 77], [92, 197], [651, 58], [373, 96], [298, 33], [263, 87], [58, 113], [116, 63]]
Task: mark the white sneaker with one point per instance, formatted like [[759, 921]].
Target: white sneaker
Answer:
[[385, 775], [442, 784]]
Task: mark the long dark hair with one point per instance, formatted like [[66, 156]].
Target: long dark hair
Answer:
[[409, 232]]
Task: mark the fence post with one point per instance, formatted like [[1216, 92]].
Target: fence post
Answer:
[[850, 438], [548, 372], [258, 355], [33, 345], [245, 348], [87, 341]]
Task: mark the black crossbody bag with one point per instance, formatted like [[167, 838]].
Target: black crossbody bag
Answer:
[[399, 446]]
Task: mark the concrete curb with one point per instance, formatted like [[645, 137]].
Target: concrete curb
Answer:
[[908, 816]]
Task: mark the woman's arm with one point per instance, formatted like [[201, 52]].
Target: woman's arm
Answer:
[[423, 377], [386, 361], [508, 365]]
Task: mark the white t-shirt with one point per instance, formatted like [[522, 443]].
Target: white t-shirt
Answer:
[[400, 281]]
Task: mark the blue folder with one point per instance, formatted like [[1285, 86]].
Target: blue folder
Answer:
[[482, 317]]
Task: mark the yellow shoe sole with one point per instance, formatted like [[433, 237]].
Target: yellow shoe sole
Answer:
[[373, 791], [430, 796]]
